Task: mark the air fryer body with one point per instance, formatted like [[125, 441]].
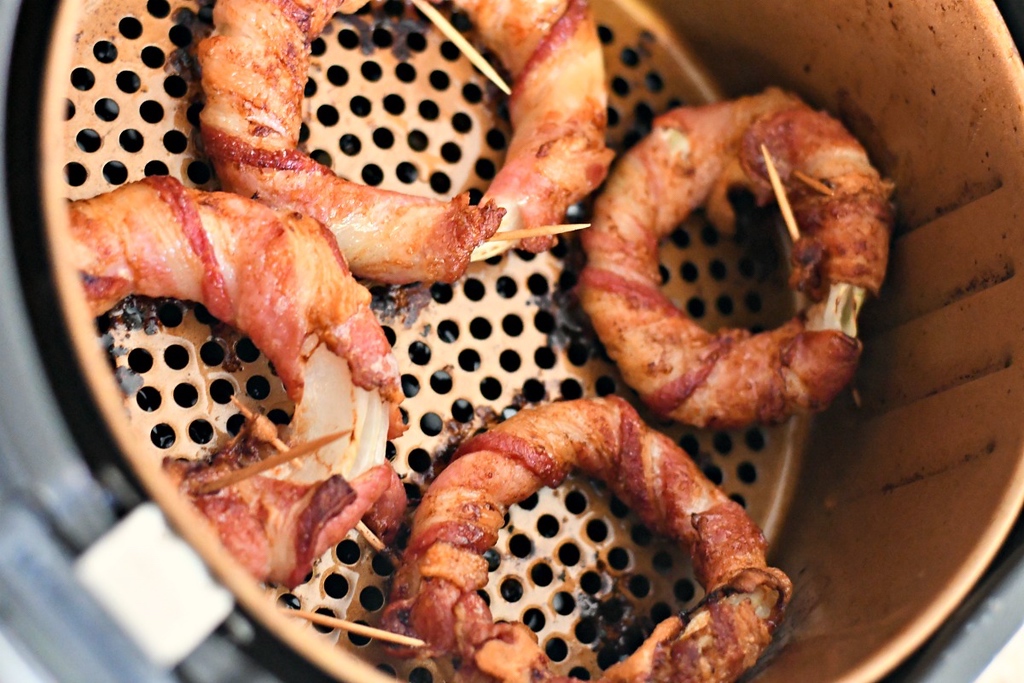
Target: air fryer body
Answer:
[[885, 510]]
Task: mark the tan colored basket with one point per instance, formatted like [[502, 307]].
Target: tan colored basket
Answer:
[[883, 515]]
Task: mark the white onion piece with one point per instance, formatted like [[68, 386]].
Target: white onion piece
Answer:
[[373, 415], [332, 403], [839, 311]]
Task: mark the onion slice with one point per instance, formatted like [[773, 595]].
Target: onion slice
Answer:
[[330, 403]]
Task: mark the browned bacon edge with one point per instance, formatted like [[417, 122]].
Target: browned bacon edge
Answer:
[[560, 35], [532, 458], [222, 145], [331, 497], [676, 392], [434, 594], [173, 194], [640, 295]]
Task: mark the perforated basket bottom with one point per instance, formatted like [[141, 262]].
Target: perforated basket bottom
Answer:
[[392, 103]]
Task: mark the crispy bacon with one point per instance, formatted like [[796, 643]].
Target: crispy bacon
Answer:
[[558, 107], [277, 528], [269, 273], [694, 157], [279, 278], [434, 595], [254, 70]]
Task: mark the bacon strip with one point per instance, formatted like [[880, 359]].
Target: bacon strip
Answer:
[[255, 67], [558, 107], [276, 528], [694, 157], [271, 274], [277, 277], [434, 595]]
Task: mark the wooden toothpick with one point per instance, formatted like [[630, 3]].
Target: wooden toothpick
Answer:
[[268, 463], [452, 34], [780, 195], [371, 537], [814, 183], [276, 442], [493, 245], [539, 231], [264, 429], [844, 300], [352, 627]]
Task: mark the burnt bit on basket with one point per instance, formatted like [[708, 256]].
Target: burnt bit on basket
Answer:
[[455, 433], [391, 303], [134, 313], [190, 27], [570, 325], [620, 627], [400, 26]]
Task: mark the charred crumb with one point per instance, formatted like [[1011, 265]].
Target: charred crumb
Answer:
[[454, 435], [402, 537], [487, 416], [567, 325], [134, 313], [182, 61], [128, 380], [401, 26], [103, 328], [571, 326], [244, 450], [199, 21], [365, 29], [114, 350], [518, 403], [230, 336], [621, 628], [980, 283], [240, 452], [392, 303], [414, 494], [205, 12]]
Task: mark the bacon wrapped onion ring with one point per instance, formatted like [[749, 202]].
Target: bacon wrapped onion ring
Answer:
[[254, 69], [434, 595], [694, 157], [276, 528], [278, 277]]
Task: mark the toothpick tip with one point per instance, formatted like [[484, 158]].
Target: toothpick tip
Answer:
[[452, 33], [780, 194], [370, 537], [539, 231], [814, 183], [352, 627]]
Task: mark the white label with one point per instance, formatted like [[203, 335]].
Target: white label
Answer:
[[154, 585]]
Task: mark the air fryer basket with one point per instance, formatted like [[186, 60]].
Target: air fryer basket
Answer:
[[884, 510]]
